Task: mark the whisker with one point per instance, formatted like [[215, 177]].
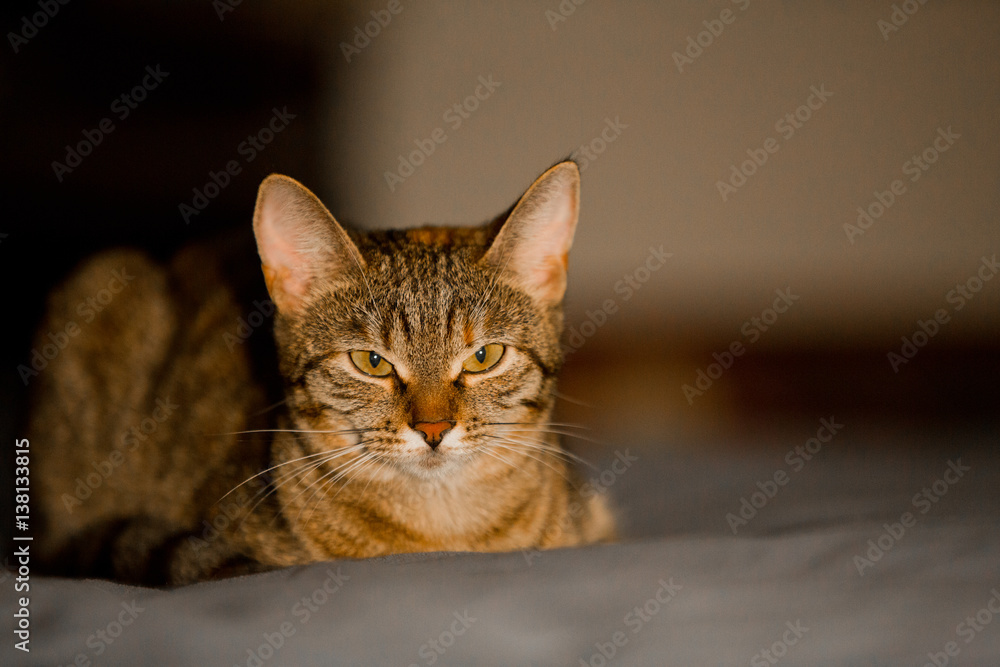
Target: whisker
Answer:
[[301, 458], [340, 472], [497, 456], [270, 407], [537, 444], [334, 474], [295, 430], [556, 432], [525, 453], [361, 270], [553, 449], [494, 281], [574, 401], [559, 424], [358, 465], [296, 472], [381, 465]]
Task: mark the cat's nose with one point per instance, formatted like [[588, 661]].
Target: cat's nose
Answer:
[[433, 432]]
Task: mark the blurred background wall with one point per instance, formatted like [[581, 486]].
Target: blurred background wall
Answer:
[[739, 138]]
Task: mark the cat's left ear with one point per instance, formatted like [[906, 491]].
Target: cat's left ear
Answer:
[[532, 247], [303, 249]]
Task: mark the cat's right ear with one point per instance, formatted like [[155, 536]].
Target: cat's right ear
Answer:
[[301, 246]]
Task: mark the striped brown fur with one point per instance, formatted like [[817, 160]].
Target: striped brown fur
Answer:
[[341, 468]]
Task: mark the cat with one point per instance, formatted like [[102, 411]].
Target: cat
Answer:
[[418, 372]]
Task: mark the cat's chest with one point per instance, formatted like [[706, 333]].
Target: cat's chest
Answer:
[[447, 517], [445, 510]]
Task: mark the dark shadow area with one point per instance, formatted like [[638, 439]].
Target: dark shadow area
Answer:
[[115, 118]]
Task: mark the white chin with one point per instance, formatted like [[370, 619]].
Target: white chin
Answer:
[[430, 463]]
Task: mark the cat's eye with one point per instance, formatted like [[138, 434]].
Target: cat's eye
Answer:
[[370, 363], [484, 358]]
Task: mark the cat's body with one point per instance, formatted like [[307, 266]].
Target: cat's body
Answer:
[[418, 372]]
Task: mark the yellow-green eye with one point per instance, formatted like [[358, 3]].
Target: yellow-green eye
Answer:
[[370, 363], [484, 359]]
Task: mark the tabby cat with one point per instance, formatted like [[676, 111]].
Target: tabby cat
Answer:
[[410, 411]]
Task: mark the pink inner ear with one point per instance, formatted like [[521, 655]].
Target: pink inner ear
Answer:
[[549, 281], [285, 269], [541, 254], [299, 242]]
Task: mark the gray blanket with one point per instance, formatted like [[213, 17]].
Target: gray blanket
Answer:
[[863, 552]]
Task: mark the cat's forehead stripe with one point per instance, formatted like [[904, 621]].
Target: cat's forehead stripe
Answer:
[[469, 333], [445, 236], [436, 236]]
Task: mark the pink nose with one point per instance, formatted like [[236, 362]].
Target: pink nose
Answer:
[[433, 432]]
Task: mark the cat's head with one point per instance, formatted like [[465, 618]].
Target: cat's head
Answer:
[[434, 344]]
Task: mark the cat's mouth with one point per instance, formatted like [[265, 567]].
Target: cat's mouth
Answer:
[[415, 454]]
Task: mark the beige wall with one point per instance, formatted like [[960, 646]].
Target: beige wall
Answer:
[[656, 182]]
